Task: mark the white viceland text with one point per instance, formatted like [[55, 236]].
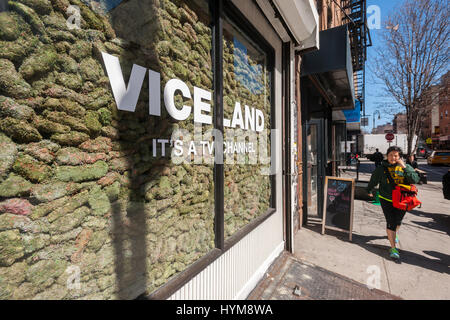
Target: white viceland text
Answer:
[[126, 97]]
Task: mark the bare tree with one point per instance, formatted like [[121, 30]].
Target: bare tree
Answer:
[[414, 55]]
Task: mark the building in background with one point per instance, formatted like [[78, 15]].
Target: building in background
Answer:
[[383, 128], [430, 131], [435, 129], [444, 112], [400, 123]]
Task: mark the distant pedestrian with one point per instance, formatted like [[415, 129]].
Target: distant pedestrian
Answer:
[[401, 173], [377, 158], [351, 159], [411, 160], [446, 185]]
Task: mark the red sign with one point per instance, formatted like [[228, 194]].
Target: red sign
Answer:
[[389, 136]]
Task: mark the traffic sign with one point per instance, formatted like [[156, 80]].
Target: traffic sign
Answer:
[[389, 137]]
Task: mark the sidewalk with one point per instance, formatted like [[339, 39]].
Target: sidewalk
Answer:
[[331, 260], [292, 279]]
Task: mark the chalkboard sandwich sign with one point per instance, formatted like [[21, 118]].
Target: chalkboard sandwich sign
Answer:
[[338, 206]]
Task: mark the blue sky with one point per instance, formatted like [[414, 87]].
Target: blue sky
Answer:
[[374, 89]]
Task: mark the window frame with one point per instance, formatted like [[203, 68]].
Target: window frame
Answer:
[[239, 20], [219, 9]]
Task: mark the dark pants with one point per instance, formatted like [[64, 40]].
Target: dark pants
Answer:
[[446, 185], [393, 215]]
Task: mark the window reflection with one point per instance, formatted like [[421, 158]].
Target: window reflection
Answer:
[[246, 86]]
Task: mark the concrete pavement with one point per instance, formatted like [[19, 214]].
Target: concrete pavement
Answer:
[[292, 279], [424, 271]]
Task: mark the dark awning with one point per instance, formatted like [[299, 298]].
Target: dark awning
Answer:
[[331, 66]]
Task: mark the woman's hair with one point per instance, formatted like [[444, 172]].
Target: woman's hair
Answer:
[[394, 148]]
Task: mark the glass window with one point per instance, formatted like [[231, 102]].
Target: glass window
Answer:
[[247, 113], [174, 39], [340, 132], [86, 143], [98, 99]]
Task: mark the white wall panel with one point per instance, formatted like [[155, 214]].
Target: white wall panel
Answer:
[[235, 274]]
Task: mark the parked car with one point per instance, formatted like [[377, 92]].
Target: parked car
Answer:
[[439, 157], [423, 152]]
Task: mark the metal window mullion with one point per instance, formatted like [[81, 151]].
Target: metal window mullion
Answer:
[[217, 7]]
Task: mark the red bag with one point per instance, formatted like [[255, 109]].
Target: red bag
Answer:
[[404, 197]]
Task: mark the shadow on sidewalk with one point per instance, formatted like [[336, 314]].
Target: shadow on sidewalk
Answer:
[[318, 229], [407, 257], [441, 222], [445, 258]]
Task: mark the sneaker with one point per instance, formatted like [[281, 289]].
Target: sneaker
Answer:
[[393, 253]]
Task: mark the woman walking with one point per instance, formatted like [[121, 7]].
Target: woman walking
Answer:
[[401, 173], [411, 160]]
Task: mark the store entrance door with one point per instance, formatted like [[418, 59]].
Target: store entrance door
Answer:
[[311, 168], [313, 160]]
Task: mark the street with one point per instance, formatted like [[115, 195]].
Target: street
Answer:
[[434, 173]]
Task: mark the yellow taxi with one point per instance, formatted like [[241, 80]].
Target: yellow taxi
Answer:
[[439, 157]]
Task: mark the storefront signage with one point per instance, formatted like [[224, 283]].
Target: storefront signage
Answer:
[[126, 97], [353, 115], [242, 131]]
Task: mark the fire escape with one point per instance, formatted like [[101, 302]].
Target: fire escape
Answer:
[[355, 16]]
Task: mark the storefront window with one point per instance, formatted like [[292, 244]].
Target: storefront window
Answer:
[[340, 136], [312, 176], [87, 181], [247, 113]]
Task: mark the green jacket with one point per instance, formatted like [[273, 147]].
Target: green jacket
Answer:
[[400, 176]]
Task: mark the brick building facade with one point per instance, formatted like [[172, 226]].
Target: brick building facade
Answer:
[[384, 128], [444, 113], [400, 123]]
